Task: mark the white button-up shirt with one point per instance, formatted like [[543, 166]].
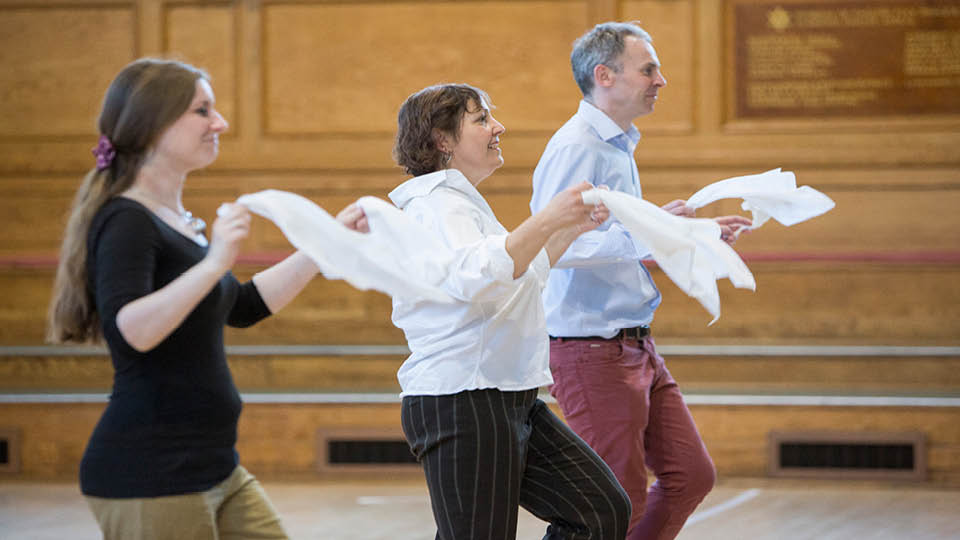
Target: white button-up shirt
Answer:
[[494, 334]]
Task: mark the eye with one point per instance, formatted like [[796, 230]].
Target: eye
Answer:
[[202, 111]]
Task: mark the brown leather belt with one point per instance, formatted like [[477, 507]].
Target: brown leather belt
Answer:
[[638, 333]]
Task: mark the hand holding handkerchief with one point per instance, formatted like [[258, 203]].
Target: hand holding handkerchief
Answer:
[[771, 194], [688, 250], [398, 256]]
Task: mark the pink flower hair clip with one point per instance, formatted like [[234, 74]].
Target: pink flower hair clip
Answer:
[[104, 152]]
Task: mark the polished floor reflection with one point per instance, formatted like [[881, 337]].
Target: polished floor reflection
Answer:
[[399, 509]]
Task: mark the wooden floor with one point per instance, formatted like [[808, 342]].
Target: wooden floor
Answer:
[[399, 509]]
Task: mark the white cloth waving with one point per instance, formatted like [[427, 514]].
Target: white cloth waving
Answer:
[[688, 250], [398, 256], [771, 194]]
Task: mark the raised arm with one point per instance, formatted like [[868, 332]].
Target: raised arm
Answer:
[[563, 219]]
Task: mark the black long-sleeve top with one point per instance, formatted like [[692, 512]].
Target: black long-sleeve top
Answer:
[[171, 424]]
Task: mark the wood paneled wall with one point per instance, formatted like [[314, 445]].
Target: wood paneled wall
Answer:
[[278, 440], [311, 89]]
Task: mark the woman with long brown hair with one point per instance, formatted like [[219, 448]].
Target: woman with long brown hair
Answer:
[[137, 272]]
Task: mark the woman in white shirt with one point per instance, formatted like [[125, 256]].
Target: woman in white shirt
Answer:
[[470, 409]]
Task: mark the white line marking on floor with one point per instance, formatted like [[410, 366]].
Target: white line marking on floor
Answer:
[[724, 506], [369, 500]]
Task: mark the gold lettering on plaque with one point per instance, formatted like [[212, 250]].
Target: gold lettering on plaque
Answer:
[[849, 57], [932, 53], [778, 56]]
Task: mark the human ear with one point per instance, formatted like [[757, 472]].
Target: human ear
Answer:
[[603, 75], [442, 141]]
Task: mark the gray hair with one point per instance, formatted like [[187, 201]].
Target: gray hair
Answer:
[[602, 45]]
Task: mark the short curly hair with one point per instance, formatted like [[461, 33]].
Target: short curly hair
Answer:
[[438, 108]]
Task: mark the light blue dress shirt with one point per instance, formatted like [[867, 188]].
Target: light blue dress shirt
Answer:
[[600, 285]]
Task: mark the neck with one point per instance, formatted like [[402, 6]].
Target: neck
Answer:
[[622, 118], [163, 199], [160, 186], [473, 178]]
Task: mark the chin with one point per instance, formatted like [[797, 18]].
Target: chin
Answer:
[[204, 163], [644, 111]]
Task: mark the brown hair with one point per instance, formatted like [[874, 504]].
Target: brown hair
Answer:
[[427, 113], [144, 99]]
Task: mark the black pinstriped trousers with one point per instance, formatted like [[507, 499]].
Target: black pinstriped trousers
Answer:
[[485, 453]]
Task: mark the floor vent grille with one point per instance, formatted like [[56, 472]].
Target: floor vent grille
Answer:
[[373, 451], [369, 450], [864, 455], [9, 450]]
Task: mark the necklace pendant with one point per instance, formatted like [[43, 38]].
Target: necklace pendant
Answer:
[[197, 225]]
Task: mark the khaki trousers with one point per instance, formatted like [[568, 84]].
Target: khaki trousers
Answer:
[[234, 509]]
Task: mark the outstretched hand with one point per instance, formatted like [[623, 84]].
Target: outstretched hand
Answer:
[[732, 226], [353, 218]]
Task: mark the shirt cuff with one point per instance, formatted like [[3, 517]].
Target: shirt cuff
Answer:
[[500, 262]]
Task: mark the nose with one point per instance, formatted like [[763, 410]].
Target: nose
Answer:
[[661, 80], [498, 128], [219, 122]]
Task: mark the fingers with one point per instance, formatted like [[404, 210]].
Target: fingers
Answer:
[[362, 225], [734, 221], [600, 214], [353, 218], [231, 227], [582, 186], [673, 204], [732, 226], [679, 208], [730, 233], [232, 220], [727, 234], [578, 192]]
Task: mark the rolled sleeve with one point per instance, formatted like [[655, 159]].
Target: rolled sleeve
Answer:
[[482, 269]]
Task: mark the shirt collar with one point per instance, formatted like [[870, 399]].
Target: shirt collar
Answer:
[[419, 186], [605, 126]]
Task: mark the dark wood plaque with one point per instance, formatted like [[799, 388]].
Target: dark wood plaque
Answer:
[[844, 58]]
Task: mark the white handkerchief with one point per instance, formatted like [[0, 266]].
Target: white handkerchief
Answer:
[[689, 251], [398, 256], [771, 194]]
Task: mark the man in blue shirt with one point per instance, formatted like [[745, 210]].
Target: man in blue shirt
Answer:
[[611, 384]]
